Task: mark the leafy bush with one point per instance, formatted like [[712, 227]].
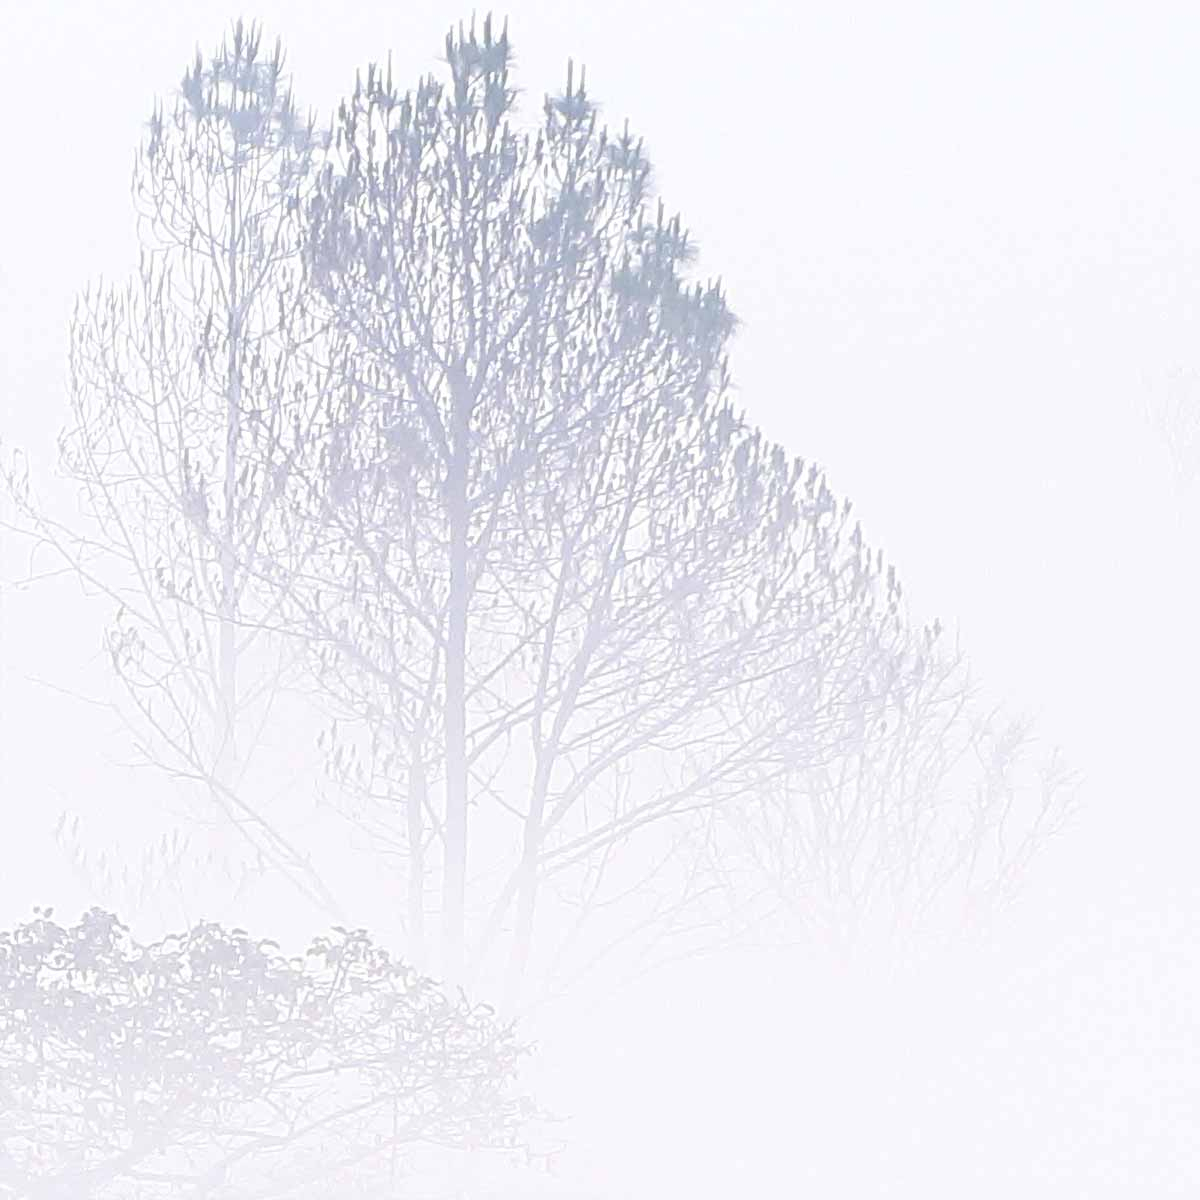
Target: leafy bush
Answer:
[[210, 1062]]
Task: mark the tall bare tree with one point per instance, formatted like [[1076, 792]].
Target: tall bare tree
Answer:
[[577, 601]]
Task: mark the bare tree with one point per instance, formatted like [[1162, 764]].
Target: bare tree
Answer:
[[190, 388], [578, 602], [1173, 407], [923, 824]]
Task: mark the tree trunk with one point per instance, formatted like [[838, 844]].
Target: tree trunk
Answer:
[[226, 756], [417, 798], [527, 886], [455, 713]]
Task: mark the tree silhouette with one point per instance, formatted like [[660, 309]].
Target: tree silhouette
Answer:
[[580, 603], [189, 393], [441, 422]]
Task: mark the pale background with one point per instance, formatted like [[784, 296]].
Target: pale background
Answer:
[[964, 240]]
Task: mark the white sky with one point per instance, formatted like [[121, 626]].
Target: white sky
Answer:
[[965, 244]]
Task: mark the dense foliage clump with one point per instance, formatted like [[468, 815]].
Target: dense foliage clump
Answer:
[[211, 1063]]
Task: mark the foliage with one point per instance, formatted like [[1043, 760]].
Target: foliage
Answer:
[[210, 1063]]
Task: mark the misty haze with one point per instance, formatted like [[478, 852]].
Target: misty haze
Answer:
[[597, 602]]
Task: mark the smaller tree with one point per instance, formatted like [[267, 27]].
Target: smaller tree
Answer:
[[191, 387], [1173, 409], [922, 826], [210, 1062]]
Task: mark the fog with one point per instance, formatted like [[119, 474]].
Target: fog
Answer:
[[520, 647]]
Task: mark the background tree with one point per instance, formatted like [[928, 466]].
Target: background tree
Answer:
[[209, 1063], [924, 824], [1173, 407], [190, 389]]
